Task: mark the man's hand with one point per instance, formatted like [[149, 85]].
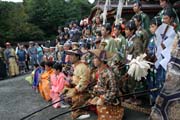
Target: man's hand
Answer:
[[71, 92]]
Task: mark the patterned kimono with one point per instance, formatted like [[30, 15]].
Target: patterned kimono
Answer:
[[167, 105], [57, 85], [134, 49], [44, 85], [106, 87]]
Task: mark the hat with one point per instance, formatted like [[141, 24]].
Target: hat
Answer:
[[31, 42], [75, 43], [7, 43], [74, 52], [103, 55]]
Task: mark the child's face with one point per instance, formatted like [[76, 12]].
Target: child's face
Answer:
[[153, 28], [56, 71], [47, 68], [127, 32]]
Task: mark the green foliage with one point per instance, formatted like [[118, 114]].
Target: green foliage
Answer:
[[49, 14], [14, 26], [38, 19]]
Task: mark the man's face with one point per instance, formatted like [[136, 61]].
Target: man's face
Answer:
[[137, 22], [136, 8], [73, 58], [8, 46], [166, 19], [127, 32], [116, 31], [103, 31], [163, 3], [153, 28], [98, 20], [96, 62]]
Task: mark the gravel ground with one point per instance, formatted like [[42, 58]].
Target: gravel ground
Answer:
[[17, 99]]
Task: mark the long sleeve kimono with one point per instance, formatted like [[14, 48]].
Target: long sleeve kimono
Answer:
[[44, 85], [106, 88], [80, 79], [110, 44], [57, 85]]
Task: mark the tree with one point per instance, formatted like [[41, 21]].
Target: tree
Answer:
[[14, 25], [49, 14]]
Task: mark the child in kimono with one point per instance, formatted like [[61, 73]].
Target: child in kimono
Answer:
[[44, 83], [57, 84], [38, 70]]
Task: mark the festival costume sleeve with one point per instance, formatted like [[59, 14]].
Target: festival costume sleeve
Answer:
[[60, 83], [137, 47], [83, 74], [111, 91]]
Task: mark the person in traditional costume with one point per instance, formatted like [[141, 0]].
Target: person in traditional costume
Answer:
[[169, 17], [151, 57], [11, 60], [135, 45], [141, 32], [120, 42], [165, 35], [165, 4], [144, 17], [106, 89], [97, 24], [134, 49], [79, 82], [57, 84], [107, 42], [44, 83], [168, 101], [38, 70]]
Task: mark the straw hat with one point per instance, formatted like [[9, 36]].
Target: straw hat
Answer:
[[103, 55], [8, 43], [74, 52]]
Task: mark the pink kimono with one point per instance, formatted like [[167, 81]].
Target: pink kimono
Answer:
[[57, 85]]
